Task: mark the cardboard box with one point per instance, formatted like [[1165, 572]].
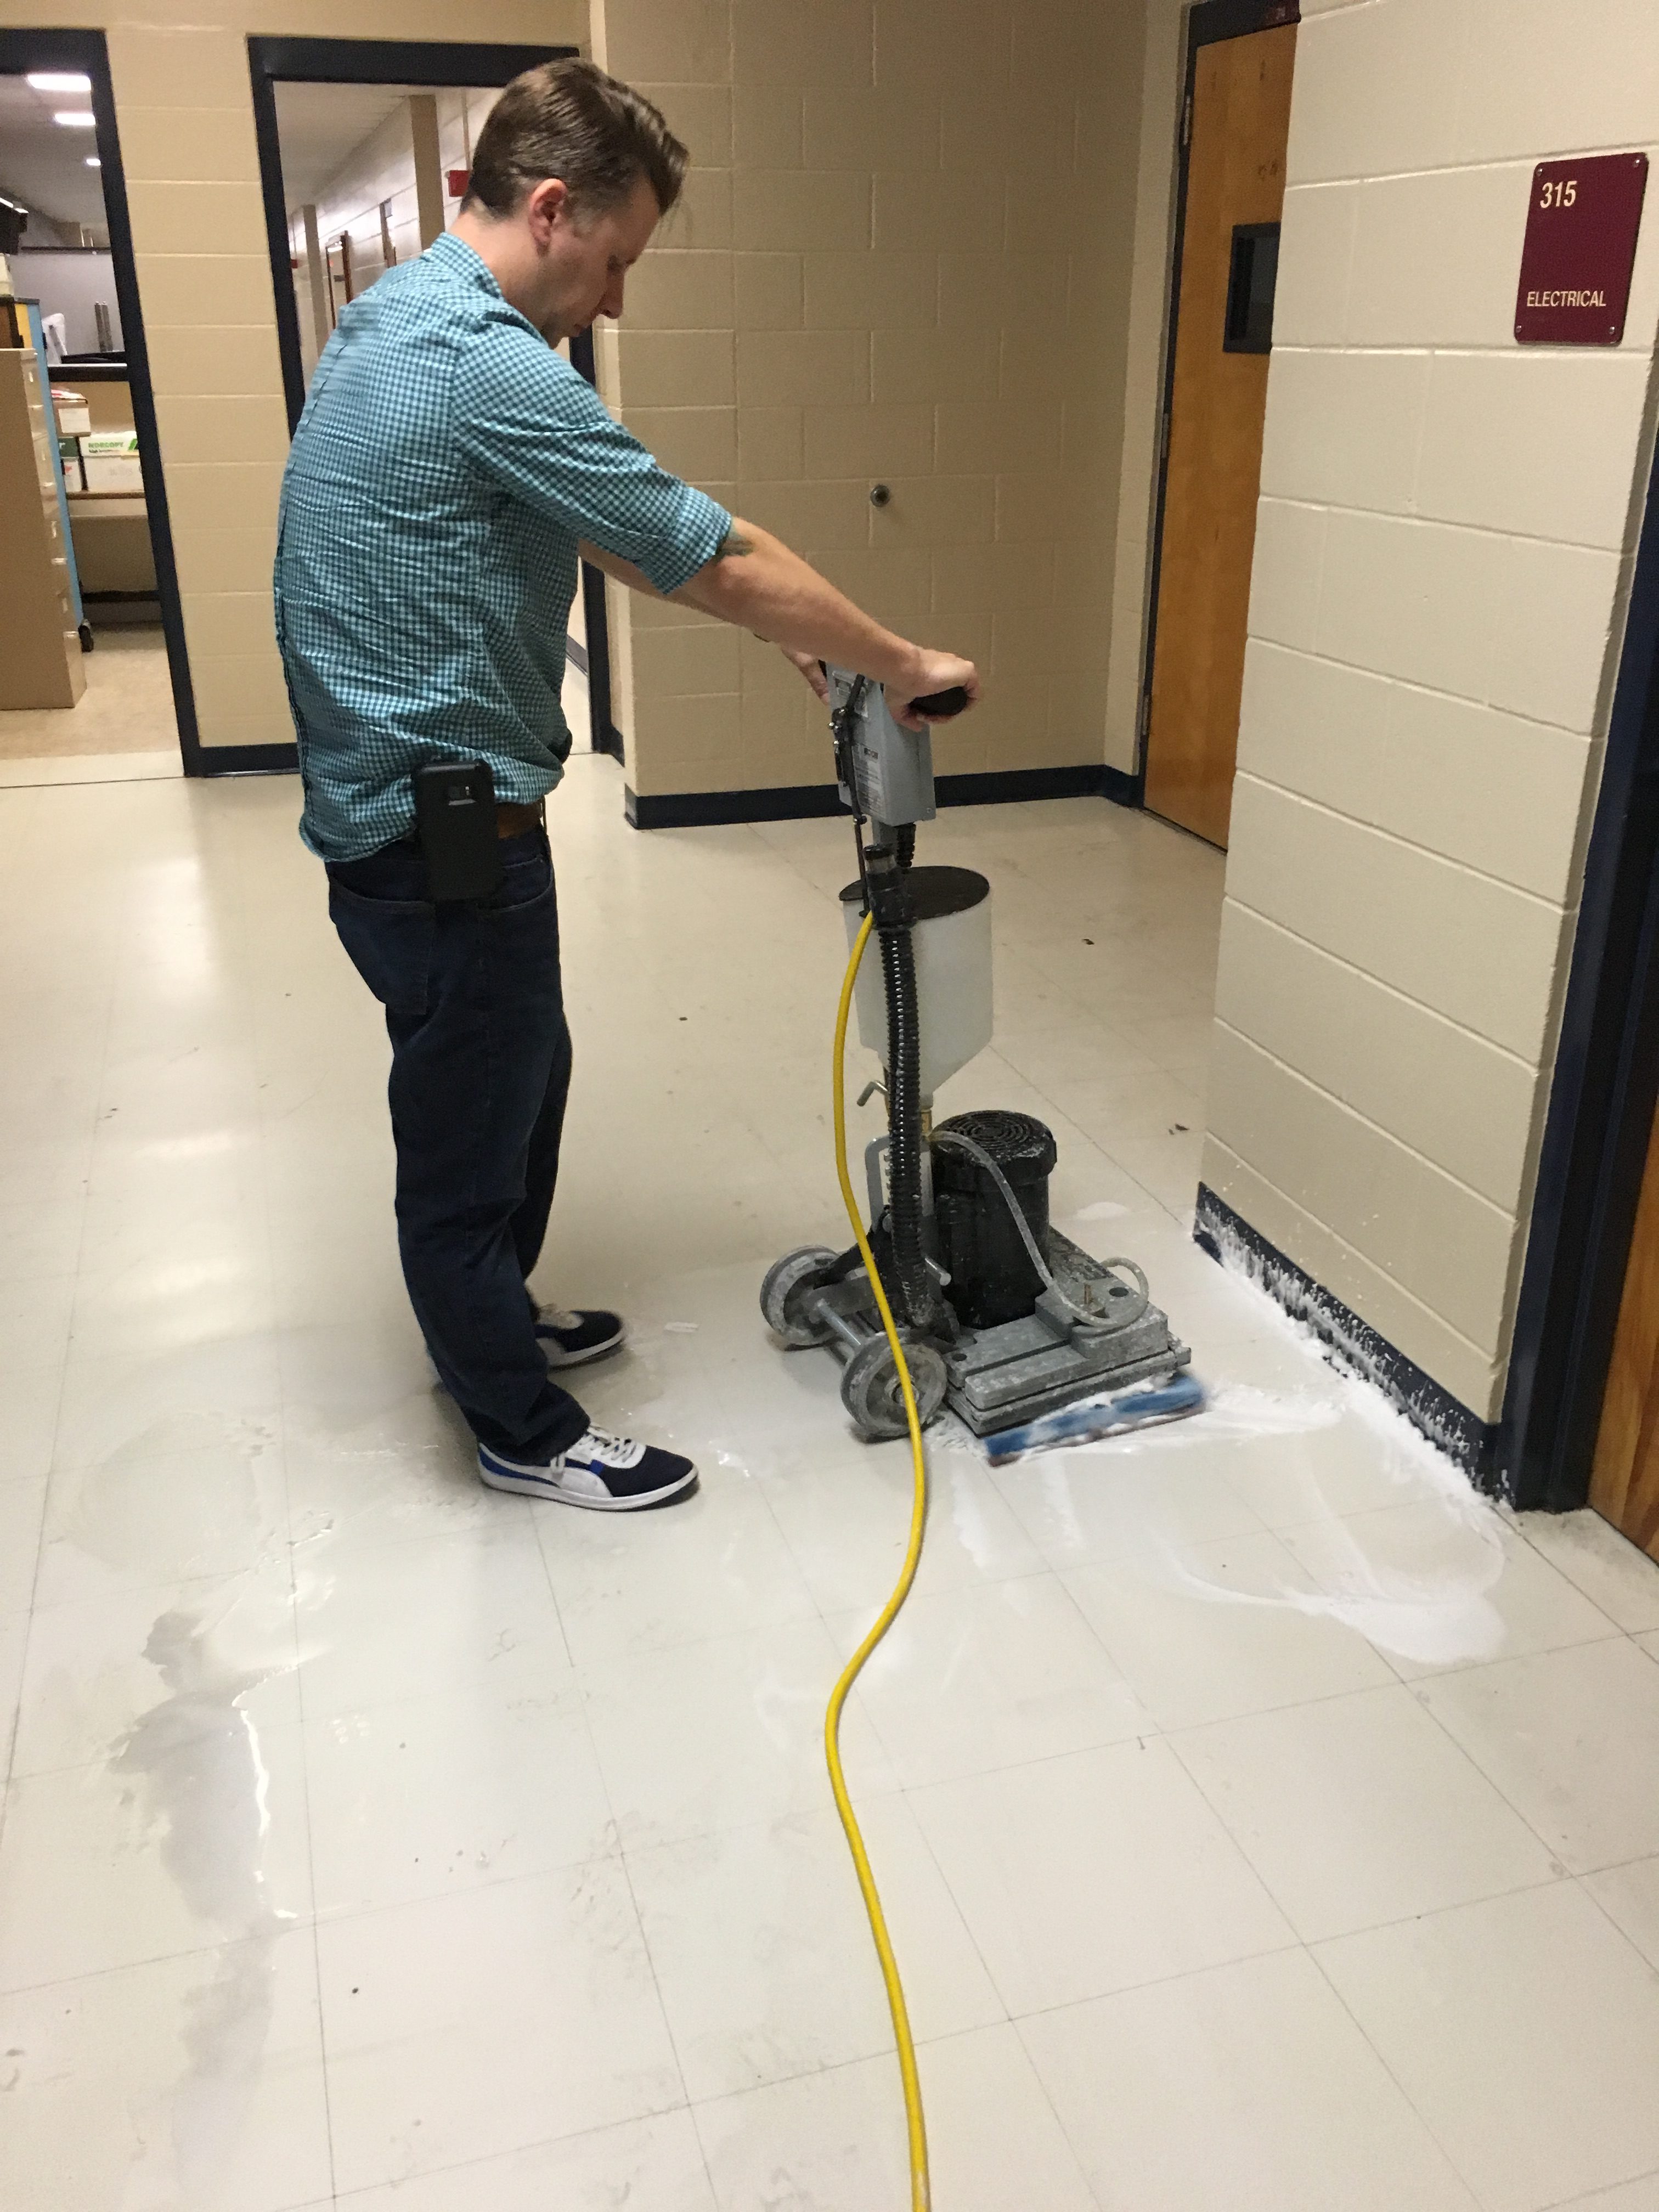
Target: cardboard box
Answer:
[[112, 471], [73, 415], [103, 444]]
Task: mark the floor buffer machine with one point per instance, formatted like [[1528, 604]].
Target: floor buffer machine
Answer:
[[1030, 1340]]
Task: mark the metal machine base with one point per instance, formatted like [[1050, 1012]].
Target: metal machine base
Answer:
[[1002, 1377], [992, 1379]]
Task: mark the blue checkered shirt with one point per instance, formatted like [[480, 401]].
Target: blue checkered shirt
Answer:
[[447, 463]]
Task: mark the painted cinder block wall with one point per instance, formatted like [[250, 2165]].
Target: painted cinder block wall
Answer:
[[1442, 555], [184, 114], [905, 255]]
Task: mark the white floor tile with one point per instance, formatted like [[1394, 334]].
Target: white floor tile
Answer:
[[133, 1519], [206, 1651], [835, 2141], [30, 1423], [717, 1565], [34, 1322], [41, 1237], [1641, 2196], [22, 1511], [182, 1841], [401, 1468], [725, 1735], [1629, 1895], [148, 1406], [1215, 1630], [1356, 1810], [380, 1623], [1471, 2010], [1313, 1457], [1084, 1875], [1444, 1583], [1142, 1494], [763, 1955], [463, 2026], [967, 1679], [448, 1792], [14, 1639], [194, 2081], [1247, 2088], [845, 1513], [1607, 1566], [656, 2164], [1571, 1738]]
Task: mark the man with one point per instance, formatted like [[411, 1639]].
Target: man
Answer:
[[448, 471]]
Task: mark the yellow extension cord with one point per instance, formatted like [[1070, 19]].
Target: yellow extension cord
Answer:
[[919, 2197]]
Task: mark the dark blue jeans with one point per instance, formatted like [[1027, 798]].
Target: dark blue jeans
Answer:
[[480, 1071]]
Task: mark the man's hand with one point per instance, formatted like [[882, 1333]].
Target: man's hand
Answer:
[[936, 672], [811, 668]]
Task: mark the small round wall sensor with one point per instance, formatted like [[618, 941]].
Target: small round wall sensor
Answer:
[[880, 495]]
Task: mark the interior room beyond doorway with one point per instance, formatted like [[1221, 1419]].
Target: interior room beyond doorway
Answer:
[[87, 677]]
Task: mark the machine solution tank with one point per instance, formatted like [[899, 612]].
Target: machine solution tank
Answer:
[[952, 941]]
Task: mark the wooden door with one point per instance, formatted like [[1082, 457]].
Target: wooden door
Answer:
[[1624, 1480], [1235, 175]]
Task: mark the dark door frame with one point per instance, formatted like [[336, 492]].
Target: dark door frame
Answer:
[[432, 62], [1207, 23], [21, 53], [1602, 1095]]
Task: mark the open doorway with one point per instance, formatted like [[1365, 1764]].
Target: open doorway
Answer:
[[94, 681], [365, 148]]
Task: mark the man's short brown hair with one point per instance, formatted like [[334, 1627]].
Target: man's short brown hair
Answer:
[[568, 119]]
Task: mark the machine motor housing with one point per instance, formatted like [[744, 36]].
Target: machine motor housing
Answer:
[[992, 1277]]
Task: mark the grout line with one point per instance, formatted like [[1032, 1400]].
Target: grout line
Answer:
[[1381, 983], [1412, 521], [1299, 1075], [1519, 162], [1486, 2203], [1555, 907], [1427, 1310]]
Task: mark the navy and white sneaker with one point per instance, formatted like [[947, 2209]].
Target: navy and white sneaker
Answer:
[[608, 1473], [570, 1340]]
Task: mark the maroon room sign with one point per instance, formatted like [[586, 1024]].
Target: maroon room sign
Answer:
[[1580, 248]]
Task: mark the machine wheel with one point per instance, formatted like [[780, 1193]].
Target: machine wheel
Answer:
[[781, 1300], [870, 1386]]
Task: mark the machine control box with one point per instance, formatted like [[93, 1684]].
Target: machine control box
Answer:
[[890, 769]]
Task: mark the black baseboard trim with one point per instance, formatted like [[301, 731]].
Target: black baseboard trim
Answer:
[[247, 760], [807, 802], [1122, 788], [1352, 1343]]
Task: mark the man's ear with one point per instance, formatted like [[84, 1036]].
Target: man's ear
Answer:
[[544, 204]]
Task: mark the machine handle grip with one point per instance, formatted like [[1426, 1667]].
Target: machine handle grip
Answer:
[[939, 706]]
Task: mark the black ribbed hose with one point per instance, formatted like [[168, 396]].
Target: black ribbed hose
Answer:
[[899, 971]]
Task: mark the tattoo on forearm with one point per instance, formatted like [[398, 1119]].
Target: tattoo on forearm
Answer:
[[736, 544]]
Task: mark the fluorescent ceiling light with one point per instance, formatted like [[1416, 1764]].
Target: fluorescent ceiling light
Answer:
[[59, 81], [75, 118], [93, 162]]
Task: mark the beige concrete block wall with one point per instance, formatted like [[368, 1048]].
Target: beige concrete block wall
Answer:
[[1442, 552], [905, 255], [185, 115]]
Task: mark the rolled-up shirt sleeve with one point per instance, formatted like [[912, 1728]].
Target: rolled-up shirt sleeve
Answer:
[[533, 425]]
